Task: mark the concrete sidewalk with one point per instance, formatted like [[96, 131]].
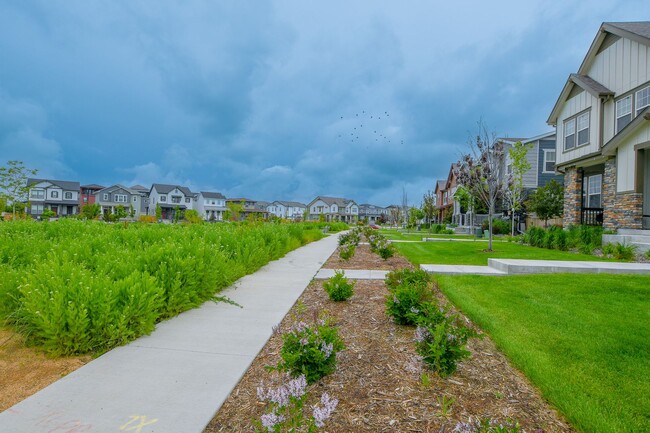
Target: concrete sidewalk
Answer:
[[354, 274], [175, 379], [500, 267]]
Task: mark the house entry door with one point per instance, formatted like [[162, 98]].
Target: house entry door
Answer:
[[646, 188]]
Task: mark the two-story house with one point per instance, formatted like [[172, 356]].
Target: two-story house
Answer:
[[602, 120], [248, 208], [541, 157], [211, 205], [373, 213], [58, 196], [134, 201], [291, 210], [169, 198], [439, 193], [333, 209], [87, 195]]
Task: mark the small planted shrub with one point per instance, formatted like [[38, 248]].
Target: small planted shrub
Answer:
[[338, 287], [386, 251], [346, 252], [622, 252], [442, 345], [286, 408], [406, 302], [310, 350], [499, 227], [407, 276]]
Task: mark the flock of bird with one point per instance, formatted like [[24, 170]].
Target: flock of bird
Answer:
[[367, 128]]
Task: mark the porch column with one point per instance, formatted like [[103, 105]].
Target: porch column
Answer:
[[572, 196], [622, 210]]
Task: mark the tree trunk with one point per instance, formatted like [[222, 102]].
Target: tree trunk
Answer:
[[513, 222], [490, 229]]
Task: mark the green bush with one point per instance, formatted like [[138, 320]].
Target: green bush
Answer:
[[338, 287], [346, 252], [499, 226], [386, 251], [83, 286], [406, 302], [442, 344], [406, 276], [310, 350]]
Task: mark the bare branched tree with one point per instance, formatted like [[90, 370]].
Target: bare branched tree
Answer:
[[479, 171], [514, 189]]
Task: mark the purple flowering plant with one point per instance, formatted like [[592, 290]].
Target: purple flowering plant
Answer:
[[286, 407], [310, 349], [488, 425], [338, 287]]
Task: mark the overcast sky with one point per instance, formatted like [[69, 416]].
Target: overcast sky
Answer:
[[281, 100]]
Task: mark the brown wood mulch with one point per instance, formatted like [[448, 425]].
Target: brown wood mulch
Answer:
[[365, 259], [378, 381]]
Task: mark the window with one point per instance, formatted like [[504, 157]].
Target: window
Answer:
[[187, 199], [549, 161], [105, 198], [623, 112], [569, 134], [592, 188], [135, 198], [120, 198], [54, 194], [163, 198], [67, 195], [37, 209], [642, 99], [509, 169], [583, 129], [176, 199], [37, 193]]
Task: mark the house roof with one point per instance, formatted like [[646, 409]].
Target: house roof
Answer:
[[140, 188], [92, 186], [119, 186], [290, 203], [63, 184], [642, 119], [638, 31], [212, 195], [240, 199], [335, 200], [440, 185], [165, 189]]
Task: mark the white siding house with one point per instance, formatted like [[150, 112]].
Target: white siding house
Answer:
[[292, 210], [211, 205], [170, 198], [333, 209], [602, 119], [58, 196]]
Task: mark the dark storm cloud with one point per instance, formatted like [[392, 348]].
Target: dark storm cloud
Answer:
[[261, 98]]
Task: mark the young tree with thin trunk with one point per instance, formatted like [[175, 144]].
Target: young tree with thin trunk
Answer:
[[429, 206], [13, 182], [548, 201], [479, 171], [514, 191]]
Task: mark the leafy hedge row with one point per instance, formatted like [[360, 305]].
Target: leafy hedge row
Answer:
[[82, 286]]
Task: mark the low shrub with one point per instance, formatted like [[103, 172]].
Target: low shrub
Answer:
[[499, 226], [442, 344], [286, 405], [346, 252], [620, 251], [338, 287], [406, 302], [310, 350], [406, 276], [487, 425], [386, 251], [147, 218]]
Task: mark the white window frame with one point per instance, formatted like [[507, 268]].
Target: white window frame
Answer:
[[597, 184], [572, 123], [620, 113], [37, 194], [54, 194], [120, 198], [163, 198], [578, 130], [547, 160], [67, 195], [646, 98], [135, 198]]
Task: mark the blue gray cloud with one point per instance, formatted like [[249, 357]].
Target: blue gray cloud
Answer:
[[260, 99]]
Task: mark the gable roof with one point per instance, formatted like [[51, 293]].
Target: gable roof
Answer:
[[140, 188], [440, 185], [118, 186], [335, 200], [63, 184], [290, 203], [638, 31], [166, 189], [643, 118], [212, 195], [92, 186]]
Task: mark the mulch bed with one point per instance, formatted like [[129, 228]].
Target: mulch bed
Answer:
[[365, 259], [377, 381]]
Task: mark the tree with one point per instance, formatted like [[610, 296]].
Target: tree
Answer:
[[405, 206], [90, 211], [235, 209], [514, 190], [479, 170], [158, 212], [120, 212], [414, 216], [466, 201], [429, 206], [395, 215], [13, 182], [548, 201]]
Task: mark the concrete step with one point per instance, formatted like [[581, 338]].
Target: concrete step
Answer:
[[633, 232], [517, 267], [625, 239], [641, 247], [461, 270]]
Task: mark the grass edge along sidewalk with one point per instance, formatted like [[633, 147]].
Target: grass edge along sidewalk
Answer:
[[174, 379], [581, 339]]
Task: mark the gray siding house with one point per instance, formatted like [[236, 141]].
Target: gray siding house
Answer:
[[541, 157], [59, 196], [135, 202]]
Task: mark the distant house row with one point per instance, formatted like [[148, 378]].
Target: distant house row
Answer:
[[66, 198]]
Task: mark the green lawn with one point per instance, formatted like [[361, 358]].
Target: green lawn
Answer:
[[471, 253], [583, 340], [418, 235]]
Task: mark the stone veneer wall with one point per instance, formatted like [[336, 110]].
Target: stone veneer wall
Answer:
[[621, 210], [572, 196]]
